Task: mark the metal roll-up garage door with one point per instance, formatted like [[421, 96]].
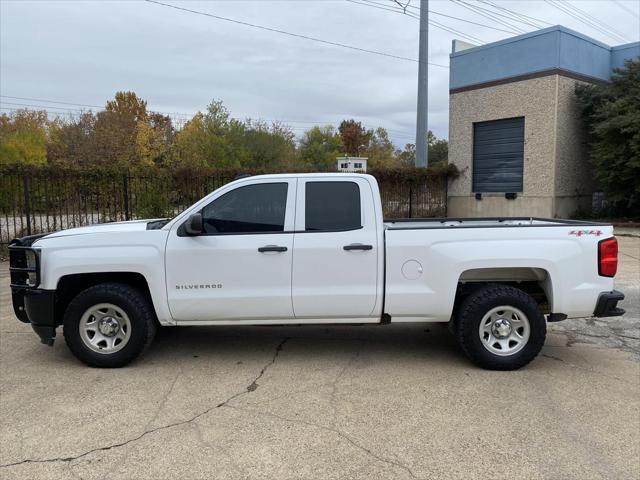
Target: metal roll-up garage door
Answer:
[[498, 153]]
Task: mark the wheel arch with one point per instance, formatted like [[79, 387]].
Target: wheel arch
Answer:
[[535, 281], [71, 285]]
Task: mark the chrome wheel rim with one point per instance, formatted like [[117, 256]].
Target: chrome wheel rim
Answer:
[[105, 328], [504, 330]]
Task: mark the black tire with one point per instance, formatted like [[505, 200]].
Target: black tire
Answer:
[[471, 312], [138, 310]]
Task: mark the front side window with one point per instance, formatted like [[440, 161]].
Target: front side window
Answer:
[[332, 206], [258, 208]]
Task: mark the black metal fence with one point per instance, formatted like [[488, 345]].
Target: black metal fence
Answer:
[[47, 200]]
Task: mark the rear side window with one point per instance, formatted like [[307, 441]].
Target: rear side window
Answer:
[[332, 206], [256, 208]]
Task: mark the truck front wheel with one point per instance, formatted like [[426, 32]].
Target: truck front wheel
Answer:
[[500, 327], [108, 325]]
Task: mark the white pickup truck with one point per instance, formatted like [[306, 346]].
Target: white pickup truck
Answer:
[[310, 249]]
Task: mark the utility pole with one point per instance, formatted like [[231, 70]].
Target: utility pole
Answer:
[[422, 150]]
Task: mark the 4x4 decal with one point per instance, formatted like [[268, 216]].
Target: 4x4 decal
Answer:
[[579, 233]]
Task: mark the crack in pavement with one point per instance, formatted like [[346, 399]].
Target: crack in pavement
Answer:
[[163, 402], [333, 430], [219, 448], [552, 357], [628, 336], [250, 388], [590, 370], [334, 384], [625, 253], [165, 398], [73, 472], [253, 386]]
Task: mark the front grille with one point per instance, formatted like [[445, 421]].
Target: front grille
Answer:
[[19, 268]]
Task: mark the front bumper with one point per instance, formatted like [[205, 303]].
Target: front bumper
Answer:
[[36, 306], [31, 304], [607, 305]]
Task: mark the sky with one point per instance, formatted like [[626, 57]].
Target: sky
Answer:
[[82, 52]]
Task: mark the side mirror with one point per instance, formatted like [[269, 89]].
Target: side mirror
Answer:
[[193, 225]]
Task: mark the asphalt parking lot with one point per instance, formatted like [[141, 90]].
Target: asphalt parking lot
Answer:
[[313, 402]]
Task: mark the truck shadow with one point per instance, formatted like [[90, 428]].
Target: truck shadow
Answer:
[[381, 342]]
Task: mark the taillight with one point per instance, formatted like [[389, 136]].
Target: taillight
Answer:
[[608, 257]]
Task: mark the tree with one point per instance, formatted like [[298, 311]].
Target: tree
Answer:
[[129, 106], [210, 139], [117, 127], [154, 136], [438, 149], [380, 151], [319, 148], [407, 157], [23, 138], [438, 152], [70, 142], [268, 145], [189, 145], [611, 113], [355, 139]]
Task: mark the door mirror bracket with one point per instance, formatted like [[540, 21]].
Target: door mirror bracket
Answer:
[[193, 225]]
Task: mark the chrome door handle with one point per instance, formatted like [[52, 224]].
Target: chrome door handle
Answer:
[[358, 246], [272, 248]]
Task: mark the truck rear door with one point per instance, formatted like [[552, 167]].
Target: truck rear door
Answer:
[[336, 252]]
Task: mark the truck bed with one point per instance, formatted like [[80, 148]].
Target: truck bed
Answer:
[[488, 222]]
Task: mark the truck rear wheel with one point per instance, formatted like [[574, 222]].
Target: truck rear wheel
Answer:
[[500, 327], [109, 325]]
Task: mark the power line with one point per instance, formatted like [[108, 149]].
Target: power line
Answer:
[[626, 9], [565, 8], [456, 32], [499, 15], [378, 6], [29, 99], [50, 101], [492, 16], [566, 11], [296, 130], [77, 111], [469, 21], [518, 17], [290, 34], [401, 11], [398, 10], [44, 107], [596, 21]]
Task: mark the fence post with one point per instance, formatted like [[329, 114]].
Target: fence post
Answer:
[[410, 201], [125, 188], [445, 189], [27, 201]]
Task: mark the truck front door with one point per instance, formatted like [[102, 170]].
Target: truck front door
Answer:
[[239, 268]]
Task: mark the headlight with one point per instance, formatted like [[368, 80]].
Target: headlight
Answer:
[[32, 262]]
